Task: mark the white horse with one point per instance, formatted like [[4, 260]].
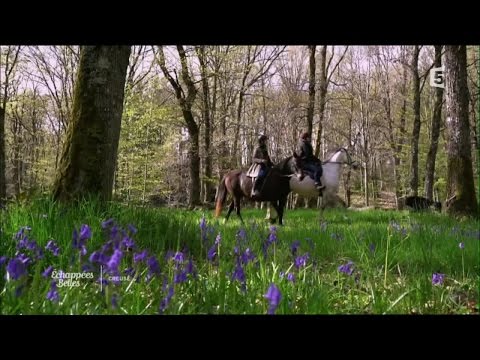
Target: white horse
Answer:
[[332, 172]]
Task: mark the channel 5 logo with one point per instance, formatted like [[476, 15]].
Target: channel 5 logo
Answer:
[[437, 77]]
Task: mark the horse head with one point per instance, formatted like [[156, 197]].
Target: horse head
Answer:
[[291, 165], [342, 156]]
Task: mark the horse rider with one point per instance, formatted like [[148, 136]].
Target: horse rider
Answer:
[[309, 162], [261, 163]]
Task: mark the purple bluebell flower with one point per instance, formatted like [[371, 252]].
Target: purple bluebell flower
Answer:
[[85, 232], [212, 253], [437, 278], [190, 268], [20, 234], [301, 261], [16, 268], [98, 257], [347, 268], [107, 223], [281, 274], [294, 247], [238, 273], [272, 237], [79, 239], [3, 260], [179, 257], [166, 301], [153, 265], [461, 245], [114, 261], [274, 297], [139, 257], [128, 243], [53, 248], [180, 276], [371, 247], [48, 271], [291, 277], [248, 256], [52, 294]]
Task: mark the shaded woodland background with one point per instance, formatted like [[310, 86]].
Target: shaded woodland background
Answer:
[[192, 113]]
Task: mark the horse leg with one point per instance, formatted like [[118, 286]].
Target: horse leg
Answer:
[[281, 207], [271, 218], [230, 209], [237, 208], [278, 210]]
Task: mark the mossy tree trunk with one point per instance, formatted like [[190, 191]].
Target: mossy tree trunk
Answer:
[[89, 155], [460, 184]]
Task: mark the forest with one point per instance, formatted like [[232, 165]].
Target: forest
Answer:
[[93, 138]]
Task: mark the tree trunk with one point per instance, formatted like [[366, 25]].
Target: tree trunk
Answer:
[[89, 154], [186, 103], [436, 120], [460, 183], [416, 123], [207, 121], [3, 180], [311, 90], [323, 95]]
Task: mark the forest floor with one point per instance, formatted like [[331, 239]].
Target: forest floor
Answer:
[[116, 259]]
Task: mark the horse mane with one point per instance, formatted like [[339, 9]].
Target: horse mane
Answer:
[[331, 153]]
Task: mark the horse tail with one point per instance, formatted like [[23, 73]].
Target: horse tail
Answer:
[[220, 197]]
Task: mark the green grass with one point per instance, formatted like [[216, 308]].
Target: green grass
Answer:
[[394, 253]]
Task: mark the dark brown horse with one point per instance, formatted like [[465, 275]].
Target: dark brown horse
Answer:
[[275, 188]]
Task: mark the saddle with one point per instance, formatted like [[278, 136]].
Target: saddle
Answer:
[[253, 170]]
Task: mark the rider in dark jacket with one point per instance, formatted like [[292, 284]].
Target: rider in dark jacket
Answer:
[[261, 158], [305, 152]]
